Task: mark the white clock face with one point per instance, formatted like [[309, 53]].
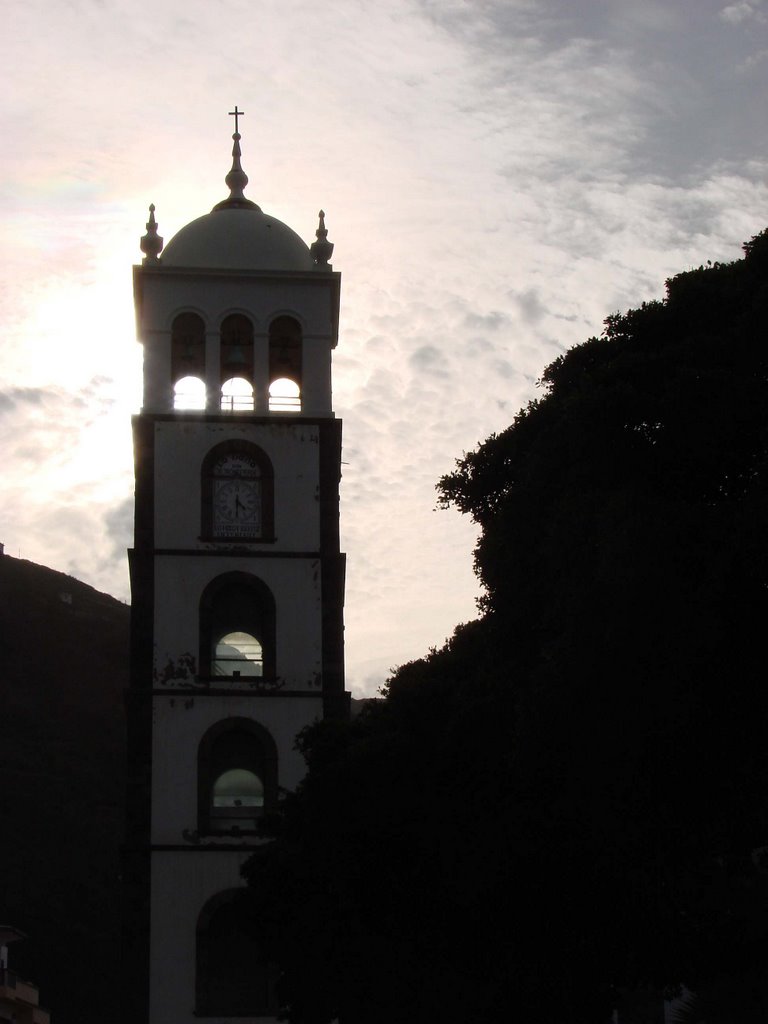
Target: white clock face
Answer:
[[236, 499]]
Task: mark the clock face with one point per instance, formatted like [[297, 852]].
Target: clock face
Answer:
[[236, 504]]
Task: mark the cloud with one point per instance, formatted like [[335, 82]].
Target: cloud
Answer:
[[486, 322], [735, 14], [755, 59], [12, 398], [64, 467], [27, 416], [118, 523], [428, 358], [530, 305]]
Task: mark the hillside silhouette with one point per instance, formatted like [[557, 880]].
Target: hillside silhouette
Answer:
[[63, 671]]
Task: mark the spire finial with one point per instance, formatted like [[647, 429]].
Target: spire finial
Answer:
[[322, 249], [151, 244], [236, 179]]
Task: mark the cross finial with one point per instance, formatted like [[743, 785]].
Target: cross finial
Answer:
[[236, 113]]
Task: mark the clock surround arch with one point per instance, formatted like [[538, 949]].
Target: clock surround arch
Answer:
[[211, 527]]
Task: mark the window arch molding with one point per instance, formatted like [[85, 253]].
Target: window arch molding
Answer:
[[232, 311], [226, 462], [237, 602], [289, 314], [233, 978], [235, 744], [195, 311]]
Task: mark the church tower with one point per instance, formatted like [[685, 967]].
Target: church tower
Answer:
[[237, 588]]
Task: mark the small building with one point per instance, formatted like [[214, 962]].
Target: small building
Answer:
[[19, 999]]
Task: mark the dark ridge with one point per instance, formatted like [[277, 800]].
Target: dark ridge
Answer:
[[63, 671]]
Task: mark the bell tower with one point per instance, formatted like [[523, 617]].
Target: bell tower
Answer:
[[237, 587]]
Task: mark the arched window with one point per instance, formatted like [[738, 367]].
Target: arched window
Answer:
[[238, 654], [284, 396], [233, 977], [237, 629], [236, 369], [237, 777], [188, 361], [189, 393], [285, 365], [237, 789], [236, 395], [237, 490]]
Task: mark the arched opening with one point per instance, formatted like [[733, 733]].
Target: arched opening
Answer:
[[237, 493], [237, 777], [237, 800], [237, 787], [236, 395], [189, 393], [236, 363], [285, 365], [284, 395], [233, 977], [237, 629], [188, 361], [238, 654]]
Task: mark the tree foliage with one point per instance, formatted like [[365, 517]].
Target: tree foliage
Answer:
[[568, 799]]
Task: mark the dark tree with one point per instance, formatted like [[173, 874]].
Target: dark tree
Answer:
[[569, 798]]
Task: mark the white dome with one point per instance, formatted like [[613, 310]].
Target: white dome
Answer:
[[238, 238]]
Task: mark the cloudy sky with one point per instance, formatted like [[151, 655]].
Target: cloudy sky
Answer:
[[498, 176]]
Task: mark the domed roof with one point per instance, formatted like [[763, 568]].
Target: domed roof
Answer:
[[238, 237]]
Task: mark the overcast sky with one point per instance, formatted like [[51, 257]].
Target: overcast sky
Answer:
[[498, 177]]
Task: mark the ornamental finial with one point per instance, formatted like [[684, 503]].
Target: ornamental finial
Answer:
[[322, 249], [236, 179], [151, 244]]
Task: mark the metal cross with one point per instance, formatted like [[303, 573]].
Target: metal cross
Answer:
[[236, 113]]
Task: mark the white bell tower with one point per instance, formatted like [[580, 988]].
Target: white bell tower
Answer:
[[237, 589]]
